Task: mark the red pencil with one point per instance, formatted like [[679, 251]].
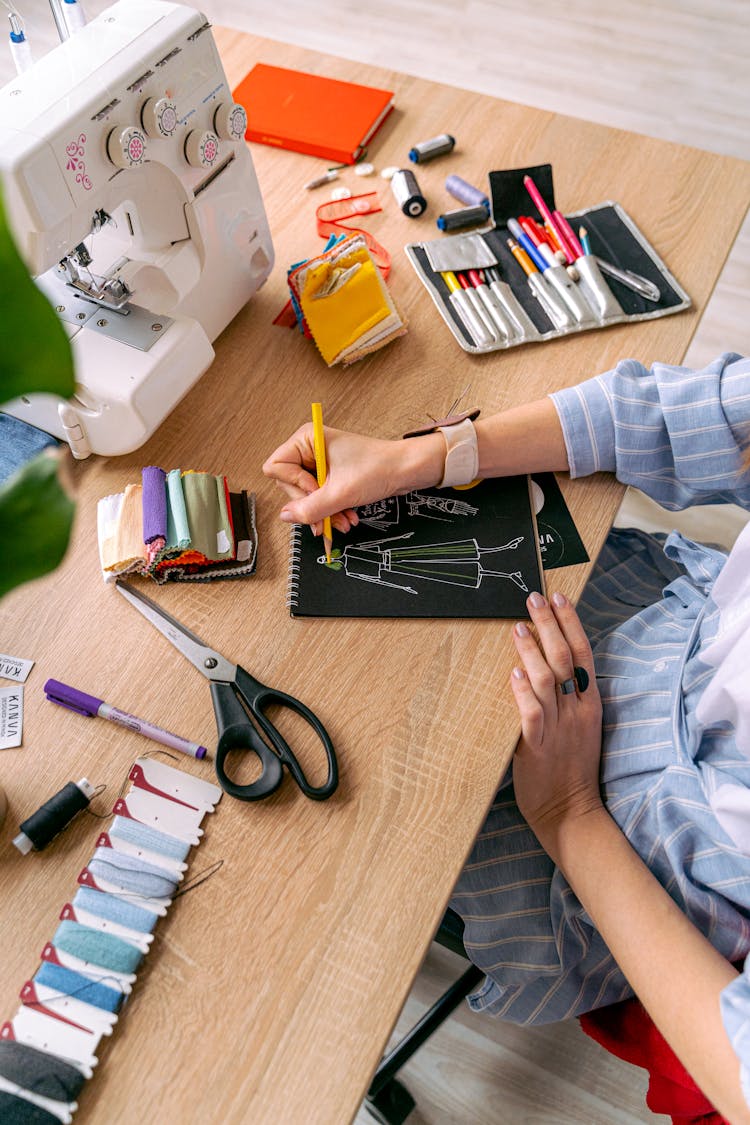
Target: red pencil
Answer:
[[529, 229], [536, 232]]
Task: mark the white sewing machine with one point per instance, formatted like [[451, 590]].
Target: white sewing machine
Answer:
[[134, 201]]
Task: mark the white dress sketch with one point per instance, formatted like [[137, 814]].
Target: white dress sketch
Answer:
[[460, 563]]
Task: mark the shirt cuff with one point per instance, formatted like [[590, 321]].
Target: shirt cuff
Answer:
[[735, 1014], [585, 414]]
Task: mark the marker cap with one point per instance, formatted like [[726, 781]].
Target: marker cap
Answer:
[[71, 698]]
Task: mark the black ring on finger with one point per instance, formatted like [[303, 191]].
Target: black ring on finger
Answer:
[[582, 679], [567, 687]]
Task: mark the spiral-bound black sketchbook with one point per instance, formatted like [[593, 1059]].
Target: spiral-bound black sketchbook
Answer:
[[434, 553]]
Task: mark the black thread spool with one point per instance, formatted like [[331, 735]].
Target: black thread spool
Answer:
[[408, 196], [39, 1072], [54, 815], [463, 217]]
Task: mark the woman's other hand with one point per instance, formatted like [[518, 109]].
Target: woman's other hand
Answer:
[[556, 765]]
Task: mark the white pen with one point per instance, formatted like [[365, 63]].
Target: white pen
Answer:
[[482, 290], [465, 310], [470, 292]]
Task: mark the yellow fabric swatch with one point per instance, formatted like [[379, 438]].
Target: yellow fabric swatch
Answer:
[[338, 319]]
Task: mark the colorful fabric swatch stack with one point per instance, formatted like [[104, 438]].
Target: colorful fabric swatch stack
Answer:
[[341, 300], [89, 965], [181, 526]]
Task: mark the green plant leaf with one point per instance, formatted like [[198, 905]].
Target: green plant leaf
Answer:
[[36, 354], [36, 517]]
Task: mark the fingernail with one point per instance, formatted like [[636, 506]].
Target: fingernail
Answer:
[[559, 599], [537, 601], [519, 673], [286, 516], [521, 629]]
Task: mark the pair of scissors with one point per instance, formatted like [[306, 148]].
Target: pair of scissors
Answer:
[[231, 687]]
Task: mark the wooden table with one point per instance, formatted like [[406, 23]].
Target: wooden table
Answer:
[[271, 990]]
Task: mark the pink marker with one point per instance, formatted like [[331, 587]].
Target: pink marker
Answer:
[[568, 233], [545, 212]]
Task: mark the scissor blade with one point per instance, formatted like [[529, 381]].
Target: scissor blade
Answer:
[[210, 663]]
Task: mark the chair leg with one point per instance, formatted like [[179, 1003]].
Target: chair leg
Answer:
[[391, 1105], [385, 1098]]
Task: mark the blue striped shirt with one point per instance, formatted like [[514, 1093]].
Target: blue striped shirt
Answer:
[[678, 435]]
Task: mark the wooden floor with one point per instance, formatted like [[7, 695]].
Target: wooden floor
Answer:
[[677, 70]]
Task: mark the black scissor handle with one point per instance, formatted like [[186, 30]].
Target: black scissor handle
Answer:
[[236, 732], [257, 696]]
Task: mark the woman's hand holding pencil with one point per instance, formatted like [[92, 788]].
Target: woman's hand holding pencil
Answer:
[[359, 470]]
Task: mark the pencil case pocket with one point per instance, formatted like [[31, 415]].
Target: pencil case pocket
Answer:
[[521, 326], [598, 292], [571, 296]]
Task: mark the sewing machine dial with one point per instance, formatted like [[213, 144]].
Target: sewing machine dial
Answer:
[[159, 117], [230, 121], [201, 148], [126, 147]]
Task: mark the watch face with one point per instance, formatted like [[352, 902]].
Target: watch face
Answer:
[[460, 463]]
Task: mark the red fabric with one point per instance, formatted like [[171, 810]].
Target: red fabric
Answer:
[[626, 1030]]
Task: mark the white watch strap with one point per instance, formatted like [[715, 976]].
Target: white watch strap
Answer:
[[461, 454]]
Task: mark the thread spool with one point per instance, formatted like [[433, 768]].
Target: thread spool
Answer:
[[428, 150], [408, 196], [463, 217], [16, 1110], [44, 1074], [107, 951], [466, 193], [54, 815]]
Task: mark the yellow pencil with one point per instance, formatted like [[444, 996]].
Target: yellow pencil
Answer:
[[320, 469]]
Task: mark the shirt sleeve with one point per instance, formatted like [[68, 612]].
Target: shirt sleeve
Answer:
[[681, 436], [735, 1015]]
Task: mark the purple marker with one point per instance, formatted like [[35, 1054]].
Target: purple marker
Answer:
[[90, 706]]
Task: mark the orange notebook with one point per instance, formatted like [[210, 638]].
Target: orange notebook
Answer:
[[311, 113]]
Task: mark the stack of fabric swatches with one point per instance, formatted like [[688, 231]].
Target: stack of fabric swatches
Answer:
[[89, 965], [342, 302], [180, 525]]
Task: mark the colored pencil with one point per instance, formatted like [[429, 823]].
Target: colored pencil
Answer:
[[319, 445]]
